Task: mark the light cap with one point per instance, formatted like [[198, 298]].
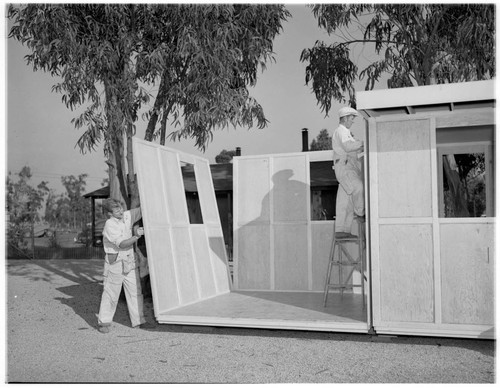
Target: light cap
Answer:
[[347, 111]]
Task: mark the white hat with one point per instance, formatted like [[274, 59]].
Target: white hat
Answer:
[[346, 111]]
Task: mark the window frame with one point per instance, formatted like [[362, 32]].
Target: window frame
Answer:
[[485, 147]]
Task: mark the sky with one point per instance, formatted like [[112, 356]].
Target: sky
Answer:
[[40, 133]]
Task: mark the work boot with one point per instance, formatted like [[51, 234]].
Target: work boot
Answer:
[[145, 325], [103, 329]]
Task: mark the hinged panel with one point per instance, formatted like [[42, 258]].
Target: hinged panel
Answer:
[[187, 262]]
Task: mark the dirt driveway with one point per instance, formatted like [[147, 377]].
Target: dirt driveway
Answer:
[[51, 337]]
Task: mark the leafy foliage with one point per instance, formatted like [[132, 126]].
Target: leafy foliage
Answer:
[[214, 55], [79, 207], [322, 142], [418, 44], [110, 56], [464, 185], [71, 209], [23, 204], [225, 156]]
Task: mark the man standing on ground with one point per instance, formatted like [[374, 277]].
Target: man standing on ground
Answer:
[[350, 194], [120, 267]]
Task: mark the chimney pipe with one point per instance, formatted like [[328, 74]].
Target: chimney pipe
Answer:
[[305, 140], [238, 151]]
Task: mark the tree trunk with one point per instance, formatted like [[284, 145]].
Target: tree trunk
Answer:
[[457, 189], [132, 181], [117, 177], [159, 102], [117, 172]]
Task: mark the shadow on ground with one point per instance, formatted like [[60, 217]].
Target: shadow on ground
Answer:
[[85, 294], [80, 271], [486, 347]]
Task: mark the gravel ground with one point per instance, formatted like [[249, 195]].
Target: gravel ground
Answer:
[[51, 337]]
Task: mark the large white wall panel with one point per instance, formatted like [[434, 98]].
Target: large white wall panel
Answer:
[[173, 187], [321, 235], [404, 169], [407, 273], [275, 241], [291, 259], [252, 191], [253, 260], [187, 261], [468, 269], [157, 216], [164, 281], [290, 189]]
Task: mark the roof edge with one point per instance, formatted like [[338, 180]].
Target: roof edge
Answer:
[[426, 95]]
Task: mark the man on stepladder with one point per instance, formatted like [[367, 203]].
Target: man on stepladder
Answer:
[[347, 166]]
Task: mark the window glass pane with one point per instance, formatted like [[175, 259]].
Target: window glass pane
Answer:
[[464, 185]]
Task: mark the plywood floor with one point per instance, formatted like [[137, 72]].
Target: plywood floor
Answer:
[[280, 310]]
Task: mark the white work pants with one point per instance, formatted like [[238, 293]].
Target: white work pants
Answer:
[[113, 280], [350, 194]]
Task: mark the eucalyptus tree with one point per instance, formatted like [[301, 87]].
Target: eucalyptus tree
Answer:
[[417, 44], [195, 61]]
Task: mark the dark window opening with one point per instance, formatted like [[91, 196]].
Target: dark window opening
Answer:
[[464, 185], [191, 191], [323, 191], [466, 171]]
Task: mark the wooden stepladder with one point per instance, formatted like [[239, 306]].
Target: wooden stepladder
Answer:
[[341, 258]]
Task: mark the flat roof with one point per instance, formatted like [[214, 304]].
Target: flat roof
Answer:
[[425, 99]]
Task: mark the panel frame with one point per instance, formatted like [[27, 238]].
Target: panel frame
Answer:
[[190, 289], [303, 159], [466, 148], [437, 327]]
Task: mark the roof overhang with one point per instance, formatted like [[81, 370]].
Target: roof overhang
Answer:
[[443, 98]]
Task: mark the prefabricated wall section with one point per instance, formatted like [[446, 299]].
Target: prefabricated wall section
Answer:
[[431, 274], [187, 261], [281, 256]]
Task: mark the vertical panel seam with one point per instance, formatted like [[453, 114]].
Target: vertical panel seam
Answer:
[[172, 240], [435, 224], [308, 220], [375, 268], [235, 226], [271, 224]]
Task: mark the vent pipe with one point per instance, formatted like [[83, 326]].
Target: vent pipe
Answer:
[[305, 140]]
